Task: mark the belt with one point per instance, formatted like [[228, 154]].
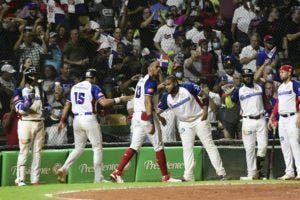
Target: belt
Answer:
[[86, 113], [253, 117], [287, 115]]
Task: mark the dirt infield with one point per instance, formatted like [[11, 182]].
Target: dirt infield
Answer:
[[205, 192]]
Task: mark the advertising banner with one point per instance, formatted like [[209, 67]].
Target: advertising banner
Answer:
[[51, 161], [82, 171], [148, 170]]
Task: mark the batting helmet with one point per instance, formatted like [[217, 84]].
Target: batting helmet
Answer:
[[90, 73]]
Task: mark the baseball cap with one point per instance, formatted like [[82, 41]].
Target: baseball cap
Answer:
[[32, 6], [94, 25], [287, 68], [247, 72], [269, 39], [8, 68], [52, 34]]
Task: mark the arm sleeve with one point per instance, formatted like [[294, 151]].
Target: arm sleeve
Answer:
[[192, 88], [97, 92], [150, 87], [163, 103]]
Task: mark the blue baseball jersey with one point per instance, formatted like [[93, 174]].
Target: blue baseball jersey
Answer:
[[288, 94], [83, 97], [186, 104], [145, 86]]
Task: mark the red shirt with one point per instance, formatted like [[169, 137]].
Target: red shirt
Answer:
[[11, 131]]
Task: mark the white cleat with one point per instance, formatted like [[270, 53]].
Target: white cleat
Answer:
[[286, 177], [21, 183], [103, 181], [116, 178], [247, 178], [297, 178], [169, 179]]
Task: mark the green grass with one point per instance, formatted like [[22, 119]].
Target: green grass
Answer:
[[38, 192]]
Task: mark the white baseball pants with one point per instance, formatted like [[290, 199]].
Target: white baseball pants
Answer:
[[31, 135], [140, 129], [290, 143], [87, 127], [188, 131], [254, 130]]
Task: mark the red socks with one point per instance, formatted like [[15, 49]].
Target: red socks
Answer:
[[125, 159], [161, 161]]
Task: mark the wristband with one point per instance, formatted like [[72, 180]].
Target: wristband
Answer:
[[117, 100]]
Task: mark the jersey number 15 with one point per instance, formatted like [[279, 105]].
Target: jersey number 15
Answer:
[[79, 97]]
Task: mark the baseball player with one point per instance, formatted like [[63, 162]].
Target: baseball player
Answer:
[[83, 99], [287, 107], [191, 113], [144, 123], [30, 103], [254, 127]]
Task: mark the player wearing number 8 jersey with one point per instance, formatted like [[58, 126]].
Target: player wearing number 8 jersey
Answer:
[[83, 99]]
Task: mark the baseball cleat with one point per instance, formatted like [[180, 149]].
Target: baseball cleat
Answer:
[[223, 178], [61, 176], [247, 178], [21, 183], [169, 179], [103, 181], [286, 177], [297, 178], [115, 177]]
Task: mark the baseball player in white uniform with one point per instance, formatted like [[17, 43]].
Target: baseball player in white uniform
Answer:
[[254, 126], [29, 102], [287, 108], [83, 99], [191, 112], [144, 123]]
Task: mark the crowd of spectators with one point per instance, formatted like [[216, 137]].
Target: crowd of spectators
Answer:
[[205, 41]]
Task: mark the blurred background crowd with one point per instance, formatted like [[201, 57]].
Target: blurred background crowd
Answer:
[[205, 41]]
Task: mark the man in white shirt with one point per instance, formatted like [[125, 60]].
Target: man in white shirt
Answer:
[[164, 40], [240, 23], [250, 52]]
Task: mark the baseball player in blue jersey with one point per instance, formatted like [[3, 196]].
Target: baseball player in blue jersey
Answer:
[[30, 103], [254, 127], [144, 123], [83, 99], [287, 107], [191, 112]]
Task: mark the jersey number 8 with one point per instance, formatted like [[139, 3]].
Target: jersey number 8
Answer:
[[79, 97]]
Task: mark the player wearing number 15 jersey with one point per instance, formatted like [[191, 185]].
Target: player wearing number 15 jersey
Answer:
[[83, 99]]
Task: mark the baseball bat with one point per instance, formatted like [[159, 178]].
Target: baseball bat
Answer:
[[271, 160]]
